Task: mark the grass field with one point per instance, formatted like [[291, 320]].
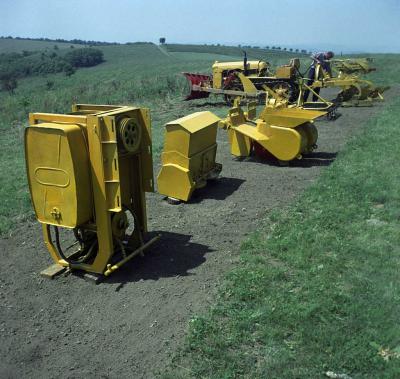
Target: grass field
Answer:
[[317, 287]]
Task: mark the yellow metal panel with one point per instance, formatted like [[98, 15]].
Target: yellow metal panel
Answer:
[[195, 122], [288, 117], [284, 143], [285, 72], [176, 182], [238, 65], [240, 144], [217, 79], [34, 118], [174, 157], [248, 86], [202, 161], [101, 202], [58, 174], [146, 152], [178, 133]]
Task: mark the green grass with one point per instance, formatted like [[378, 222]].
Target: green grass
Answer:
[[317, 288]]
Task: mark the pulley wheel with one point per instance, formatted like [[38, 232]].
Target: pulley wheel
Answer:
[[119, 224], [130, 134], [286, 90], [282, 89]]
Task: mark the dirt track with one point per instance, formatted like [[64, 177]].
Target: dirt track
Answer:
[[128, 326]]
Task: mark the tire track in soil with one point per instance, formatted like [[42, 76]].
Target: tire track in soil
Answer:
[[129, 325]]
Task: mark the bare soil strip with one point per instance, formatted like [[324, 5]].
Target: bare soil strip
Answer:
[[129, 325]]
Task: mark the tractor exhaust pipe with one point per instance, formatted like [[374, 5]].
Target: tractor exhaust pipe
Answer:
[[245, 63]]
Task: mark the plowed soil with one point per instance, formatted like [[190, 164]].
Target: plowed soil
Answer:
[[129, 325]]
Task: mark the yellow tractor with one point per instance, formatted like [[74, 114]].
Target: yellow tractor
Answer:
[[88, 172], [226, 80]]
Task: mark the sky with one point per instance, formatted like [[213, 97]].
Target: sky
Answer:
[[338, 25]]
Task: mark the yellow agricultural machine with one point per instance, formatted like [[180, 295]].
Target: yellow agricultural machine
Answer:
[[226, 80], [231, 79], [352, 66], [285, 132], [88, 172], [188, 159], [354, 90]]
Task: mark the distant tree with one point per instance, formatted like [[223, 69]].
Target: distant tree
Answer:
[[279, 48], [297, 50], [9, 83], [85, 57], [267, 47], [162, 40], [71, 47], [55, 47], [290, 49], [284, 48], [49, 84], [69, 70]]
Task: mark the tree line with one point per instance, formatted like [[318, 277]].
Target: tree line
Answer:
[[14, 66], [62, 40], [75, 41]]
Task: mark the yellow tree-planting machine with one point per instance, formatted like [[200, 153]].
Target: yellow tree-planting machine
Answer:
[[352, 66], [285, 132], [188, 159], [88, 172], [355, 91]]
